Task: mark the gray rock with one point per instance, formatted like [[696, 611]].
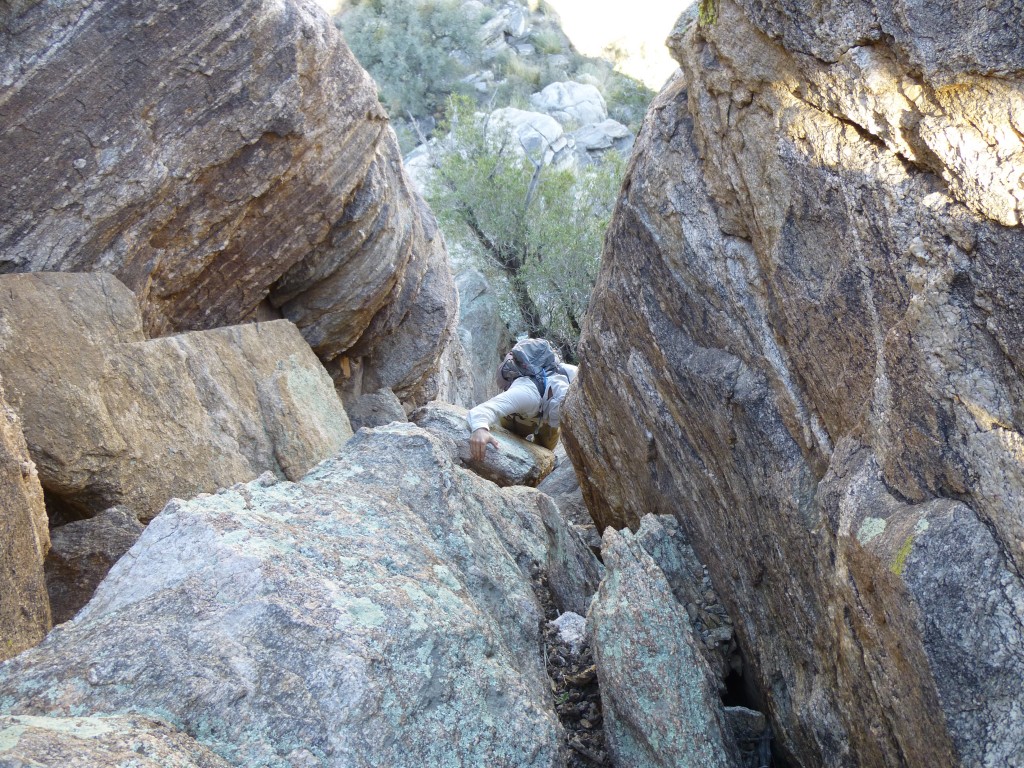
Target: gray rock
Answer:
[[659, 698], [485, 336], [375, 409], [571, 103], [573, 570], [377, 613], [24, 541], [535, 134], [514, 462], [663, 539], [217, 156], [81, 554], [124, 420], [99, 742], [607, 134]]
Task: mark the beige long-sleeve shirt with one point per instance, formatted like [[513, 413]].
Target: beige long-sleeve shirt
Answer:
[[521, 398]]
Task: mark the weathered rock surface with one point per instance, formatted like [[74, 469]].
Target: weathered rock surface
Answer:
[[24, 540], [217, 156], [82, 553], [571, 102], [819, 242], [99, 742], [111, 418], [484, 334], [573, 570], [660, 699], [379, 612], [375, 409], [564, 489], [515, 462]]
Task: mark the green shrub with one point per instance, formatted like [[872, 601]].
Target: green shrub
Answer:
[[535, 231], [406, 45]]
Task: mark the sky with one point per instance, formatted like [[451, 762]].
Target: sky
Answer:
[[639, 27]]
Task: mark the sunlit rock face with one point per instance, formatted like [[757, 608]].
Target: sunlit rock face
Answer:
[[220, 157], [807, 344]]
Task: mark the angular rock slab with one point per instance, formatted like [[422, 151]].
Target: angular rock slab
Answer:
[[514, 462], [217, 155], [659, 698], [82, 553], [24, 541], [372, 614], [112, 418], [99, 742]]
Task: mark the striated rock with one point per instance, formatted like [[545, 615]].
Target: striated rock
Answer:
[[122, 420], [379, 612], [24, 540], [81, 554], [100, 742], [217, 157], [659, 698], [515, 462], [570, 102], [818, 247]]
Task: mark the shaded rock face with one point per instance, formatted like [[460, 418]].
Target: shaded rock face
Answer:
[[484, 334], [815, 271], [660, 699], [218, 156], [82, 553], [89, 742], [380, 612], [112, 418], [24, 541]]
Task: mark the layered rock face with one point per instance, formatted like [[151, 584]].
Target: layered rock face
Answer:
[[379, 612], [113, 418], [24, 541], [218, 157], [806, 343]]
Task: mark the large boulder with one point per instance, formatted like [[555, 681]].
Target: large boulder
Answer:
[[100, 742], [218, 157], [379, 612], [111, 418], [24, 541], [806, 344]]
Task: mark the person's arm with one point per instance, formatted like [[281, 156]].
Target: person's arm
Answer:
[[521, 397]]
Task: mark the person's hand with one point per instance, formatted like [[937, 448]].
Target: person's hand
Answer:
[[478, 443]]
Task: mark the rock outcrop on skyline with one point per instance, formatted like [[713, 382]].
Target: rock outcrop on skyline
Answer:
[[806, 344], [226, 161]]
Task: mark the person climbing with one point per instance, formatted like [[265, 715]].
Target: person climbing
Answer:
[[535, 381]]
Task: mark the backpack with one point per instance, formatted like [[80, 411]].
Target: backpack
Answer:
[[538, 360]]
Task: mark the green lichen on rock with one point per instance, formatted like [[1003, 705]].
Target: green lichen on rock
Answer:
[[900, 561]]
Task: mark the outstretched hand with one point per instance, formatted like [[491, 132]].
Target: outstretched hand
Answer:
[[478, 443]]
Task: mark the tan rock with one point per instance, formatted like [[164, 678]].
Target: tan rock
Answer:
[[119, 420], [24, 541], [217, 158]]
